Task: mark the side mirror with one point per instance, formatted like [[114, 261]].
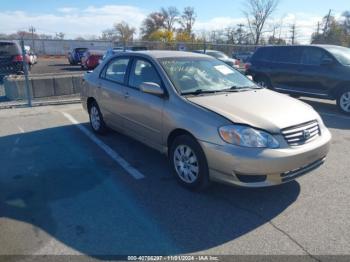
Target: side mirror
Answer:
[[327, 61], [151, 88]]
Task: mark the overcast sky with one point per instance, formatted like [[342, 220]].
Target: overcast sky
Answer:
[[90, 17]]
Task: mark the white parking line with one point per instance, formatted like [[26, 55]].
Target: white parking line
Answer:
[[109, 151]]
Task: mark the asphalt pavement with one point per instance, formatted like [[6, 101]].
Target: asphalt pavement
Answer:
[[64, 190]]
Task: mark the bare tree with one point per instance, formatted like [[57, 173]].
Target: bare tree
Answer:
[[124, 32], [153, 22], [188, 19], [257, 12], [170, 17]]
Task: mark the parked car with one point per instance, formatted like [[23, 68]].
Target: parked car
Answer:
[[91, 58], [11, 58], [212, 122], [321, 71], [114, 50], [221, 56], [75, 55], [242, 56]]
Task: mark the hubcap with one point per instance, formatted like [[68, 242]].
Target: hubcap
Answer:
[[186, 164], [345, 101], [95, 118], [262, 83]]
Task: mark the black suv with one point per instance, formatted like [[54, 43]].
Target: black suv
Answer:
[[321, 71], [11, 59]]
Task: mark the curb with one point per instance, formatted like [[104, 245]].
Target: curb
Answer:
[[41, 103]]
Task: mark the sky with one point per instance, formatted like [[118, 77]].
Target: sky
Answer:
[[88, 18]]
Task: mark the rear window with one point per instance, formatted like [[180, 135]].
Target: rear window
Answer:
[[262, 54], [80, 50], [9, 49]]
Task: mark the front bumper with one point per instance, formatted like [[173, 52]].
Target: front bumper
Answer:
[[252, 167]]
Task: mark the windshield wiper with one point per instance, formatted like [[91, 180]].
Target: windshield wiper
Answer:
[[241, 88], [199, 91]]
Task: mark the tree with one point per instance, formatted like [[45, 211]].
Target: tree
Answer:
[[153, 22], [334, 33], [257, 12], [109, 34], [183, 36], [161, 35], [170, 16], [124, 32], [188, 18]]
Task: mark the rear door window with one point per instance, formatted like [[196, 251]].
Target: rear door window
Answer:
[[116, 70], [287, 55], [314, 56]]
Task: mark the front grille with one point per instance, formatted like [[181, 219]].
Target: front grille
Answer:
[[291, 175], [301, 134]]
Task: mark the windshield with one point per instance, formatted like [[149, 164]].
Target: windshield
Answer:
[[217, 54], [342, 54], [192, 74]]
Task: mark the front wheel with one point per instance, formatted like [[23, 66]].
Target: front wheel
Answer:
[[343, 101], [96, 119], [189, 163], [263, 81]]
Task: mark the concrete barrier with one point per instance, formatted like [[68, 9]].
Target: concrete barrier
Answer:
[[42, 86]]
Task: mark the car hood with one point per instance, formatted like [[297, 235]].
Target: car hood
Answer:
[[261, 108]]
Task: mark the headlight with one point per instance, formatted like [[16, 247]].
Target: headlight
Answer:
[[246, 136]]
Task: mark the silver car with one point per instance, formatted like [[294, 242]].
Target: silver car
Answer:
[[213, 123]]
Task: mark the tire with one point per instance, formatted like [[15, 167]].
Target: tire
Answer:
[[96, 119], [343, 101], [188, 163], [263, 81]]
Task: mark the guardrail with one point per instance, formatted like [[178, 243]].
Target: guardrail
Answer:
[[42, 86]]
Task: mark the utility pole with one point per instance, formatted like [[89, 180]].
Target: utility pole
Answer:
[[240, 30], [32, 31], [293, 33]]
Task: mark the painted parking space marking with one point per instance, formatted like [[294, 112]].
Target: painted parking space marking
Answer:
[[109, 151]]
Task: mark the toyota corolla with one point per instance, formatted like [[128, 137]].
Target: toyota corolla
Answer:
[[213, 123]]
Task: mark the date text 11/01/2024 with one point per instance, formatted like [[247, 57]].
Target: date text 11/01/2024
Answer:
[[173, 258]]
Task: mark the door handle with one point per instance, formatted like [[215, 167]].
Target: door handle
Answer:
[[126, 95]]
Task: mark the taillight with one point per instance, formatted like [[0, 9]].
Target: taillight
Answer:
[[18, 58]]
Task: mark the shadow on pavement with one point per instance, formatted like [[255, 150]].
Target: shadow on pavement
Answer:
[[59, 182]]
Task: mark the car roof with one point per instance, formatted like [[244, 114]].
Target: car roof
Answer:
[[157, 54]]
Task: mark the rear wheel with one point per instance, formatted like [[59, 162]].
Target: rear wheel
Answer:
[[96, 119], [189, 163], [263, 81], [343, 101]]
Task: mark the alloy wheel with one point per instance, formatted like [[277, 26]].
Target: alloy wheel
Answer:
[[95, 118], [186, 164], [345, 102]]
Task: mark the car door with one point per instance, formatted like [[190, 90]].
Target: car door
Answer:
[[112, 89], [314, 76], [286, 61], [143, 112]]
